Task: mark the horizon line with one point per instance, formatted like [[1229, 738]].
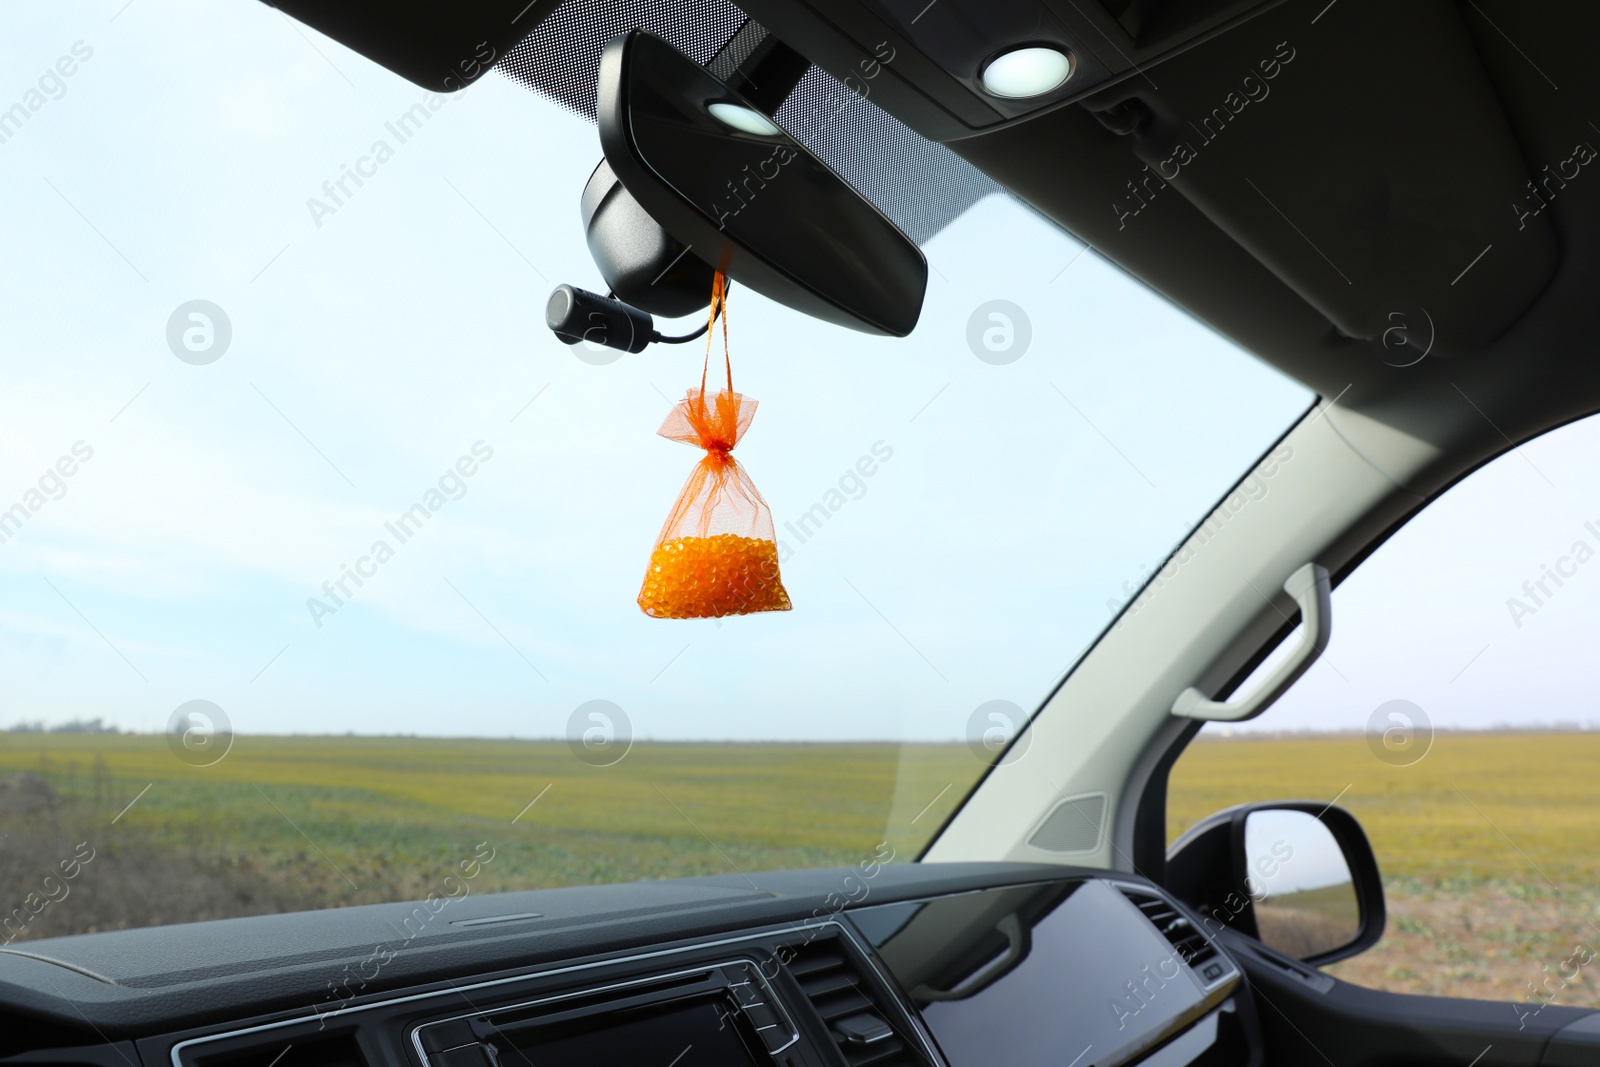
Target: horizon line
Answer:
[[1219, 736]]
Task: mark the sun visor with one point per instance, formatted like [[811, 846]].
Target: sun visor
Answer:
[[1380, 180]]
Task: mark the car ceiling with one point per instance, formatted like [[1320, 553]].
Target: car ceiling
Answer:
[[1382, 170]]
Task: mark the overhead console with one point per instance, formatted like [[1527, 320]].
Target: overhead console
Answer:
[[926, 61], [933, 967], [1398, 204]]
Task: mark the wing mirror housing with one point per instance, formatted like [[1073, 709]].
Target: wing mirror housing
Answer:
[[1299, 876]]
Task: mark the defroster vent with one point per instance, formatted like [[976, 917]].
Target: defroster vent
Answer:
[[857, 1020]]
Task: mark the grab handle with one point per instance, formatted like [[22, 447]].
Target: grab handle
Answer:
[[1309, 587]]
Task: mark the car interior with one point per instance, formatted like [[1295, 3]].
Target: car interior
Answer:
[[1385, 203]]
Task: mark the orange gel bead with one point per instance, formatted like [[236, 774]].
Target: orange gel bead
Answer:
[[707, 577]]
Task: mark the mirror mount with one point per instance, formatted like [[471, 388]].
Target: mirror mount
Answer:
[[759, 67], [648, 271], [643, 265], [1208, 868]]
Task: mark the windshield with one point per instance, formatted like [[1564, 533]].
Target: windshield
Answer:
[[319, 554]]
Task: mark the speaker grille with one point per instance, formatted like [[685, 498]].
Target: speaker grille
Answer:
[[1076, 825]]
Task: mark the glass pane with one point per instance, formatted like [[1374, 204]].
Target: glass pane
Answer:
[[389, 531], [1305, 902]]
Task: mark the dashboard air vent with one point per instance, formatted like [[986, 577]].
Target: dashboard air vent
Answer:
[[1192, 945], [850, 1010]]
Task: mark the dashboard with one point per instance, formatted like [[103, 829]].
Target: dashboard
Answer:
[[925, 965]]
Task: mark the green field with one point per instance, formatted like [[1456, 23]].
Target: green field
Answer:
[[1489, 847], [297, 822], [1310, 921]]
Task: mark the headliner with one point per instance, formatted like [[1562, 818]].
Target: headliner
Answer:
[[1385, 172]]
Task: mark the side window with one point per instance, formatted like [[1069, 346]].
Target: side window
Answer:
[[1456, 714]]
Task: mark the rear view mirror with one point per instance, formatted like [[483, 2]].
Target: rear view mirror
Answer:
[[721, 177], [1298, 876]]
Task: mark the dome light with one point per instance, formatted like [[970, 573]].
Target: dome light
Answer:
[[743, 119], [1032, 70]]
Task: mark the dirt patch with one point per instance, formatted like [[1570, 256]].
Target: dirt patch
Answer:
[[66, 875], [26, 794], [1514, 943]]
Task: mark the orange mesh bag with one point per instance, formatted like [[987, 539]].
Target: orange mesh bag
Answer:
[[717, 553]]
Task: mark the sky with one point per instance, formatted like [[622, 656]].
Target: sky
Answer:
[[376, 349], [1290, 852]]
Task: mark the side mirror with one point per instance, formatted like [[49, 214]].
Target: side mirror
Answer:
[[739, 193], [1298, 876]]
